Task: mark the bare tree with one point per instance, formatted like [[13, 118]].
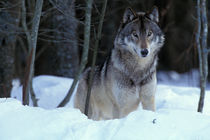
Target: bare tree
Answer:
[[84, 54], [29, 44], [201, 41], [30, 65]]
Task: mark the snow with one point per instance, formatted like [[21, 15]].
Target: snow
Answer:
[[50, 90], [175, 117], [23, 122], [189, 79], [182, 98]]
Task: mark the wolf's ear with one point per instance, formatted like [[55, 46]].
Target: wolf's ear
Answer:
[[153, 14], [129, 15]]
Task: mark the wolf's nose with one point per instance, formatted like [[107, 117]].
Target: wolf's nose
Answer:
[[144, 52]]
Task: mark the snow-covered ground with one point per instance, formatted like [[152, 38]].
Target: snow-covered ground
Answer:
[[175, 119], [19, 122], [50, 90], [188, 79]]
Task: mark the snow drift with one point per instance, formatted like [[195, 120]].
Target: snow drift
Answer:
[[175, 118]]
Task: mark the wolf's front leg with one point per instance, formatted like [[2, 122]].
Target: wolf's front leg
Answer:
[[148, 103], [147, 94]]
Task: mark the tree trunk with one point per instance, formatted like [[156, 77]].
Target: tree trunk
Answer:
[[30, 67], [203, 53], [9, 20], [28, 37], [65, 26]]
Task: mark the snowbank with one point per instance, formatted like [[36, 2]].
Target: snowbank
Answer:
[[23, 122], [188, 79], [50, 90], [175, 119]]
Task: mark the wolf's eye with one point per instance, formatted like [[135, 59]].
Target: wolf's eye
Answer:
[[134, 34], [149, 33]]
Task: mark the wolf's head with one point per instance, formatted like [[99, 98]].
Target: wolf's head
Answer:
[[139, 32]]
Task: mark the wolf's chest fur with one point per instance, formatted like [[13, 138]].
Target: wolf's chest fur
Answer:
[[133, 71], [128, 73]]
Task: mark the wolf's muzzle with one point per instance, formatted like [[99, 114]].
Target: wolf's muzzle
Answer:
[[144, 52]]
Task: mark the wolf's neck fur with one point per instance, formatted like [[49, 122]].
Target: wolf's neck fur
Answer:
[[132, 66]]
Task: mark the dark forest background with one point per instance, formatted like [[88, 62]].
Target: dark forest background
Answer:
[[60, 36]]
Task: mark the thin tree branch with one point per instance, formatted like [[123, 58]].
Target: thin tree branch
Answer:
[[25, 28], [65, 13], [84, 54], [22, 45], [98, 38], [40, 52]]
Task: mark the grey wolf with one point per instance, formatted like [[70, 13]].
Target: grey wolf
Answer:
[[128, 76]]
